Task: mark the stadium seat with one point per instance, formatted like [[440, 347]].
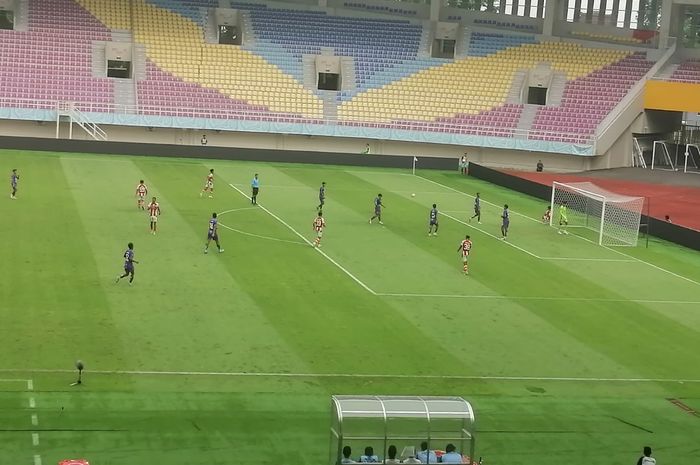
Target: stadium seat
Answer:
[[687, 71], [395, 86], [52, 60]]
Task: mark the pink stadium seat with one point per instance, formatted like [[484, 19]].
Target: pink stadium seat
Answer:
[[60, 33], [688, 71]]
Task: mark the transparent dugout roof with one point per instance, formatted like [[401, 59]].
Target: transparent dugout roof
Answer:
[[402, 407]]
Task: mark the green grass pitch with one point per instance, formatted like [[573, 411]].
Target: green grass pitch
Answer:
[[567, 350]]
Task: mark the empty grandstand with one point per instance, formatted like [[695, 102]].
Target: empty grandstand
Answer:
[[687, 71], [51, 58], [502, 81]]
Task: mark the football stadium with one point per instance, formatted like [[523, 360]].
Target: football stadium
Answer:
[[324, 232]]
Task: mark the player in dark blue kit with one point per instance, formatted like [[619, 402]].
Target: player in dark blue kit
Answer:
[[433, 221], [213, 234], [477, 208], [377, 209], [321, 196], [505, 216], [14, 179], [128, 263]]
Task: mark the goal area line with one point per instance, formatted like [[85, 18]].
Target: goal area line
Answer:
[[252, 374]]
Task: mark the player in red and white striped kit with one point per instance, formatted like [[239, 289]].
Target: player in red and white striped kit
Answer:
[[465, 247], [209, 184], [154, 213], [141, 193], [318, 225]]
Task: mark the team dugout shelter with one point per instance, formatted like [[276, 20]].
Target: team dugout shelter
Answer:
[[402, 421]]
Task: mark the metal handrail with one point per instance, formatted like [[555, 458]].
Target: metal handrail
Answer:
[[152, 110]]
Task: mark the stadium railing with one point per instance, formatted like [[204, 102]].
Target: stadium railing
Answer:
[[426, 127]]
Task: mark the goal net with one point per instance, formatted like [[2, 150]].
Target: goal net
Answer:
[[614, 217]]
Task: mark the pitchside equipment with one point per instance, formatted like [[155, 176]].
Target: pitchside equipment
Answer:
[[692, 159], [614, 217], [661, 157]]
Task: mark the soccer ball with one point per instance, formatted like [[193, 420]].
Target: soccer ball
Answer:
[[413, 195]]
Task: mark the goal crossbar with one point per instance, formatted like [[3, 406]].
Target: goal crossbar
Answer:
[[614, 217]]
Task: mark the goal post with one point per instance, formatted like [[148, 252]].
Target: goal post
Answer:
[[615, 218]]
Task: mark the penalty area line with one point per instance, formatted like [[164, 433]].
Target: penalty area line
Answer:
[[633, 258], [549, 299], [326, 256], [588, 259], [242, 374]]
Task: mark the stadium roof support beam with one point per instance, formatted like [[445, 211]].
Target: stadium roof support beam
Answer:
[[589, 11], [435, 7], [550, 14], [615, 11], [577, 11], [665, 26], [601, 11], [628, 14]]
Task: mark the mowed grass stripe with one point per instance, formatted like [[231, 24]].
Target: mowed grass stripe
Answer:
[[50, 291], [313, 304], [179, 293], [509, 266], [543, 241], [184, 427], [194, 315], [460, 322], [378, 255], [652, 283], [619, 318], [669, 256], [519, 421]]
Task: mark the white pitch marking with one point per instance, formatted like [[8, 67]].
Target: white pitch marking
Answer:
[[377, 173], [578, 259], [237, 210], [472, 197], [341, 267], [259, 236], [379, 376], [635, 259], [489, 234], [553, 299], [306, 188], [35, 421], [13, 380], [576, 235], [251, 234]]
